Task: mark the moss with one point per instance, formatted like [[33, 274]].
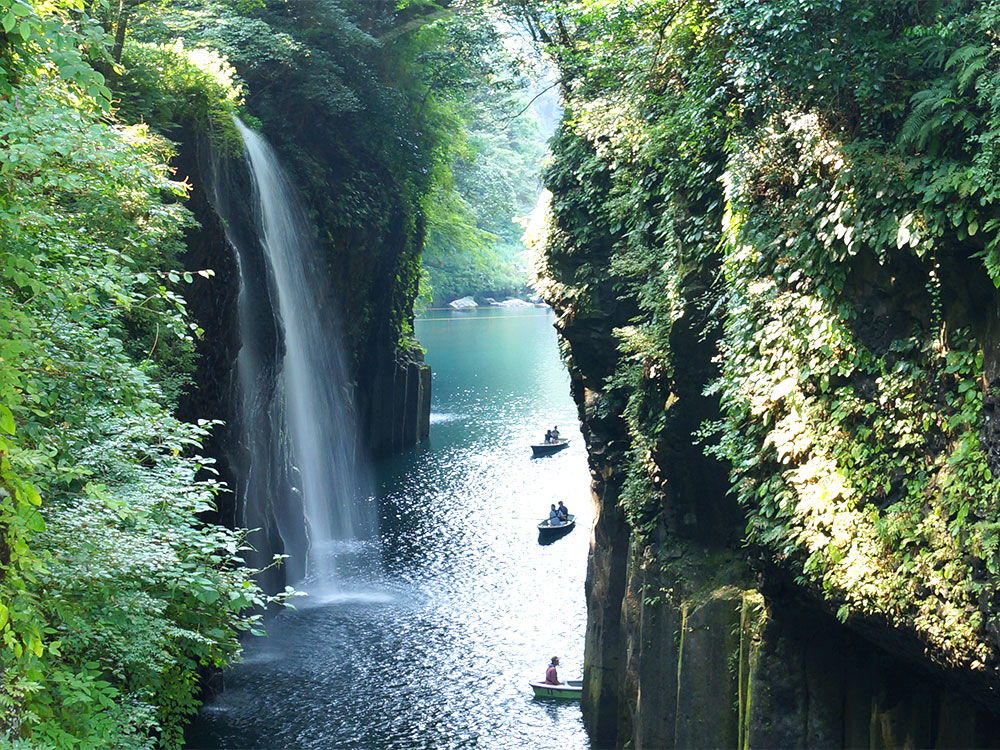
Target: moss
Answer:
[[752, 615]]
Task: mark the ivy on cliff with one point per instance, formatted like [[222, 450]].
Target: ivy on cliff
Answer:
[[853, 424], [637, 171], [821, 177]]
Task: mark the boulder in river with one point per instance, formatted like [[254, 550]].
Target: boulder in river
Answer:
[[464, 303], [514, 303]]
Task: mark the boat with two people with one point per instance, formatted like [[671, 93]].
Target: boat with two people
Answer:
[[547, 449], [555, 528], [559, 522], [551, 444]]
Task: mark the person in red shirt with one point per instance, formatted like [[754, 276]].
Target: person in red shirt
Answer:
[[551, 678]]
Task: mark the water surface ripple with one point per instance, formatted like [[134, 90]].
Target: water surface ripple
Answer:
[[431, 639]]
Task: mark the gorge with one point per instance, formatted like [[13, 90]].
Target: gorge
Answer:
[[771, 249]]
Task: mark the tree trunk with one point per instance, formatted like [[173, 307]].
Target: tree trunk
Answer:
[[120, 25]]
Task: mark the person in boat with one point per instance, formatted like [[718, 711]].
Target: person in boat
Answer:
[[548, 436], [551, 677], [562, 511], [555, 433], [554, 518]]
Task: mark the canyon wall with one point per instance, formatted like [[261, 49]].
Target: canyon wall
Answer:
[[339, 93], [360, 161], [692, 639], [779, 318]]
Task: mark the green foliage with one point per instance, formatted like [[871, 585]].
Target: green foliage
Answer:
[[821, 177], [58, 35], [474, 238], [487, 176], [166, 85], [856, 451], [636, 177], [348, 93], [112, 594]]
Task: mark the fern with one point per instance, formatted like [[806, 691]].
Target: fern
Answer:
[[963, 55], [919, 125], [971, 61]]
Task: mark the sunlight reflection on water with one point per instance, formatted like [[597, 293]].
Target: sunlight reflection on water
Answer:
[[437, 418], [433, 644]]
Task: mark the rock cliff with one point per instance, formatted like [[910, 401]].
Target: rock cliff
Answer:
[[692, 639], [782, 355], [357, 160]]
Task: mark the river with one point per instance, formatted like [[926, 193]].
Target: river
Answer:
[[432, 633]]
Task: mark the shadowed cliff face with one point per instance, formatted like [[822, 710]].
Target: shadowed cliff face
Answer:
[[586, 316], [213, 301], [803, 399], [637, 593]]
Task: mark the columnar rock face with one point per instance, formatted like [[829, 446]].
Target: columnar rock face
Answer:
[[586, 319], [694, 640], [397, 402]]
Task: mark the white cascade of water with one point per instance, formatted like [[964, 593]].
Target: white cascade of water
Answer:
[[309, 415]]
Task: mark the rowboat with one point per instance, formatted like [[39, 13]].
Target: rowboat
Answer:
[[549, 447], [570, 691], [548, 529]]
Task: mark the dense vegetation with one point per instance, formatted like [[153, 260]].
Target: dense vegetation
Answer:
[[360, 111], [814, 183], [475, 223], [112, 595], [115, 596], [821, 178]]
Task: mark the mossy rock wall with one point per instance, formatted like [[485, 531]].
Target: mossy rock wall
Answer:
[[693, 638], [698, 658]]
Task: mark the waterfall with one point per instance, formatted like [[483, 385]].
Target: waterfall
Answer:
[[297, 477]]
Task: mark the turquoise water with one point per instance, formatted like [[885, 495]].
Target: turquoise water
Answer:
[[432, 637]]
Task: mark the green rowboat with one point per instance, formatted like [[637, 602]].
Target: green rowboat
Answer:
[[568, 691]]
